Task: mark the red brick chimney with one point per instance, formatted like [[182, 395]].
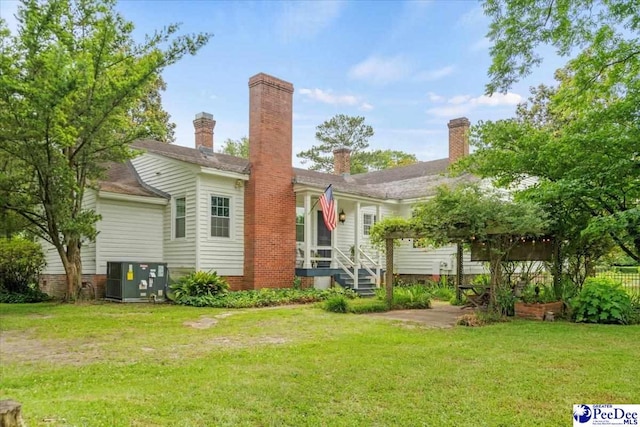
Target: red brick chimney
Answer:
[[342, 161], [270, 203], [458, 138], [204, 125]]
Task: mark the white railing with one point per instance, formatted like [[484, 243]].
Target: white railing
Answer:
[[376, 274], [338, 257]]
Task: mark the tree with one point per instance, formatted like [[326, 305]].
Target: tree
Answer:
[[342, 131], [70, 79], [518, 27], [464, 215], [150, 114], [580, 138], [236, 147]]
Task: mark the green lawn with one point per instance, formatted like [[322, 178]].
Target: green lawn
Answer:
[[139, 365]]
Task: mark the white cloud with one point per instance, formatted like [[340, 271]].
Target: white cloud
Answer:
[[437, 74], [482, 44], [450, 111], [380, 70], [459, 99], [463, 104], [435, 97], [474, 17], [328, 97], [306, 19], [496, 99]]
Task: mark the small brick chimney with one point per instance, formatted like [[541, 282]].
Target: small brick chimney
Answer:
[[204, 125], [342, 161], [269, 200], [458, 138]]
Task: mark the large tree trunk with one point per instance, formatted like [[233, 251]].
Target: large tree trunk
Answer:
[[72, 262]]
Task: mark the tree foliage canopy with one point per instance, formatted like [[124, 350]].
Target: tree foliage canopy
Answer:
[[342, 131], [519, 27], [73, 88], [236, 147]]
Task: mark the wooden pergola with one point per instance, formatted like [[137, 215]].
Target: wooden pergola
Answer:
[[412, 234]]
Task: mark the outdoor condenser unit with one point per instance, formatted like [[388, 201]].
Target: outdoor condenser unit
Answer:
[[129, 281]]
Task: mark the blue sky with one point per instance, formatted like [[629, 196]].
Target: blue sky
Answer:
[[408, 67]]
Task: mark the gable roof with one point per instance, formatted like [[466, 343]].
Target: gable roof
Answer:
[[122, 178], [200, 157], [405, 182]]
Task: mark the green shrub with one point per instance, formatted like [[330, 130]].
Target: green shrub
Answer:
[[538, 293], [602, 301], [410, 297], [628, 270], [31, 294], [367, 305], [336, 304], [458, 301], [21, 262], [198, 284], [634, 318], [264, 297]]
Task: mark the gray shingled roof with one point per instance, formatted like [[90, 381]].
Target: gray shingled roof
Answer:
[[406, 182], [201, 157], [122, 178]]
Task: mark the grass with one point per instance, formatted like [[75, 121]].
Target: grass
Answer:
[[139, 365]]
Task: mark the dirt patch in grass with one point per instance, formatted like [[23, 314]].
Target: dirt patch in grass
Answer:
[[441, 315], [20, 346]]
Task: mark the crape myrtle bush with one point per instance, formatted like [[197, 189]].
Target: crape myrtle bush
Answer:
[[21, 262]]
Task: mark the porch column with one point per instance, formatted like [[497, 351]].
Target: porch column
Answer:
[[334, 237], [356, 246], [379, 260], [307, 231]]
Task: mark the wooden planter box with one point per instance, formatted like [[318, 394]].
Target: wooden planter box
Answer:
[[536, 311]]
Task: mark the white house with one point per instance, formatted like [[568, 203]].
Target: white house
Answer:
[[256, 221]]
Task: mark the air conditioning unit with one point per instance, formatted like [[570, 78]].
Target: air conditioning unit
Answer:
[[129, 281]]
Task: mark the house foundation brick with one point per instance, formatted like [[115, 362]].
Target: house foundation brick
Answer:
[[55, 285], [270, 232]]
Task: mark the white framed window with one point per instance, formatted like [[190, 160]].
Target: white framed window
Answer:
[[300, 224], [220, 216], [180, 218], [367, 222]]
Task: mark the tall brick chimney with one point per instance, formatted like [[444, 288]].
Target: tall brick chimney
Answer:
[[204, 125], [342, 161], [270, 203], [458, 138]]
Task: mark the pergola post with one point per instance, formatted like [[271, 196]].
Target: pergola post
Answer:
[[459, 269], [389, 273]]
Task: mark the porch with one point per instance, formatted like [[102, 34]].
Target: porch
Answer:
[[345, 253]]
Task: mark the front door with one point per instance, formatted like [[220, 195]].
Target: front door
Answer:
[[324, 239]]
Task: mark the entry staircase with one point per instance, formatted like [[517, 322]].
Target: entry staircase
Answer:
[[363, 280]]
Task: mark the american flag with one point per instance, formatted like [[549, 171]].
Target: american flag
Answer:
[[328, 206]]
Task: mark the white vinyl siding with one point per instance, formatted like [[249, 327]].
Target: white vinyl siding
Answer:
[[130, 231], [436, 261], [87, 251], [179, 180], [224, 255]]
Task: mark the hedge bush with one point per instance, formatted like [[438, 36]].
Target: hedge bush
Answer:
[[21, 262]]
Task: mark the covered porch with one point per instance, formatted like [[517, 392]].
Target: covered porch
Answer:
[[345, 253]]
